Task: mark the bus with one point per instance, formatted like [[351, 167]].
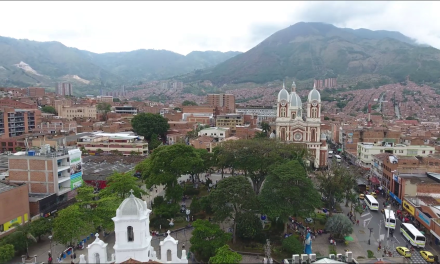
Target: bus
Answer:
[[338, 158], [371, 202], [413, 235], [390, 219], [330, 153]]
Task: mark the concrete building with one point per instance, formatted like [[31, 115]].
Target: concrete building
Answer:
[[222, 100], [64, 89], [16, 122], [66, 109], [264, 113], [365, 151], [125, 144], [229, 120], [217, 133], [104, 99], [126, 109], [14, 206], [47, 172]]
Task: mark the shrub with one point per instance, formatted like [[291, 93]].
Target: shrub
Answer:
[[370, 254], [248, 226], [332, 249], [292, 245], [160, 222], [190, 191]]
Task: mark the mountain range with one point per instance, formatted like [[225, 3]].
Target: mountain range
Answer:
[[28, 63], [305, 51]]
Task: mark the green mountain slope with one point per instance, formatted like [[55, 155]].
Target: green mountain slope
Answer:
[[317, 50], [45, 63]]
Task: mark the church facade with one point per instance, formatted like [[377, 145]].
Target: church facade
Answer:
[[294, 125], [133, 239]]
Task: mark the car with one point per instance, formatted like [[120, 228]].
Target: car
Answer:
[[373, 194], [404, 251], [428, 256], [309, 220], [361, 196]]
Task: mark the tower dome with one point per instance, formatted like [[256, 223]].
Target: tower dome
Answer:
[[283, 94], [132, 206], [293, 86], [314, 95], [295, 100]]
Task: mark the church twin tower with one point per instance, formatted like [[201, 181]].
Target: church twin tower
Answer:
[[294, 126]]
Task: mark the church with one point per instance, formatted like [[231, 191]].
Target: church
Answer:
[[133, 239], [295, 126]]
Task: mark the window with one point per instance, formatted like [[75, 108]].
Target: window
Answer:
[[2, 228], [423, 152], [283, 112], [314, 113], [400, 151], [130, 234], [293, 115]]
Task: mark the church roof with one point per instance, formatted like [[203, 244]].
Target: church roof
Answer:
[[295, 100], [132, 206], [283, 94], [314, 95], [133, 261]]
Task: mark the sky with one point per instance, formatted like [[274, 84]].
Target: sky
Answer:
[[183, 27]]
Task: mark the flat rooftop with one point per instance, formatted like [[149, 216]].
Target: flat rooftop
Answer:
[[6, 186], [101, 167]]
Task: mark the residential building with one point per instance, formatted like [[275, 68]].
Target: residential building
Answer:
[[8, 102], [55, 126], [16, 122], [222, 100], [263, 113], [365, 151], [123, 143], [126, 109], [14, 205], [218, 133], [104, 99], [47, 172], [36, 91], [294, 127], [229, 120], [77, 111], [64, 89]]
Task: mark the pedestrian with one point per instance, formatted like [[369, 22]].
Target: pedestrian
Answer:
[[74, 255], [357, 222]]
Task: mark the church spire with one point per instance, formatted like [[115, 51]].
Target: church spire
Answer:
[[294, 87], [284, 87]]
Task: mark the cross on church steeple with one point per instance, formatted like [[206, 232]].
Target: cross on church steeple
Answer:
[[168, 232], [97, 236], [131, 192]]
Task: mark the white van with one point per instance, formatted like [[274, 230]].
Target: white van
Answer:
[[330, 153]]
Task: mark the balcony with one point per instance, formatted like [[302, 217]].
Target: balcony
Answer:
[[64, 177], [63, 190], [63, 168]]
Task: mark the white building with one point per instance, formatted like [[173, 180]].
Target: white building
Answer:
[[365, 151], [294, 127], [133, 238], [219, 133]]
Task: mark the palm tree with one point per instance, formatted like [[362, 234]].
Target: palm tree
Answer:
[[25, 234]]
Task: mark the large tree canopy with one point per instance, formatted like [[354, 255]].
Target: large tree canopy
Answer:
[[147, 124], [232, 196], [339, 225], [224, 255], [206, 238], [288, 191]]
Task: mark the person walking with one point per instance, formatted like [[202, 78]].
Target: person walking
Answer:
[[357, 222]]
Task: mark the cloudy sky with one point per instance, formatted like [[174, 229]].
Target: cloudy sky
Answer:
[[186, 26]]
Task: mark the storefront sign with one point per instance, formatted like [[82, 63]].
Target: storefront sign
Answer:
[[395, 198], [409, 208], [423, 219], [396, 178], [75, 168]]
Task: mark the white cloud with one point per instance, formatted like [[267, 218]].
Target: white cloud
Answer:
[[186, 26]]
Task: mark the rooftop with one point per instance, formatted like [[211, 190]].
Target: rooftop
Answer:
[[6, 186], [101, 167]]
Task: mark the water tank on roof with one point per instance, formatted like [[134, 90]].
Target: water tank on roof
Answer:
[[31, 153]]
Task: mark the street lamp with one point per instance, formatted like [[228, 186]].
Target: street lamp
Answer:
[[369, 238]]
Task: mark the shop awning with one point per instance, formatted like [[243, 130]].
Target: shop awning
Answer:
[[374, 180]]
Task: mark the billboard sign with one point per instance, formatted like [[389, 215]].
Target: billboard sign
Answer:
[[75, 168]]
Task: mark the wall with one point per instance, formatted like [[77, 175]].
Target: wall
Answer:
[[14, 207], [37, 172]]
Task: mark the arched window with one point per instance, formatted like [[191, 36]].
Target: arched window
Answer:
[[97, 260], [314, 112], [130, 234], [283, 111], [293, 115], [283, 134], [313, 136]]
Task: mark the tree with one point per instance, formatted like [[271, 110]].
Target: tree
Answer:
[[23, 233], [116, 100], [339, 225], [40, 227], [120, 184], [189, 103], [147, 124], [288, 191], [224, 255], [6, 253], [48, 109], [232, 196], [206, 238], [326, 118], [168, 163], [154, 142], [70, 225], [104, 108], [248, 225], [292, 245], [265, 127]]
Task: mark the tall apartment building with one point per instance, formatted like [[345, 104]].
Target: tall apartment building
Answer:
[[64, 89], [49, 174], [326, 83], [36, 92], [16, 122], [222, 100]]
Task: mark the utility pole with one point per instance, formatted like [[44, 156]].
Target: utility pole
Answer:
[[369, 238], [380, 226]]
